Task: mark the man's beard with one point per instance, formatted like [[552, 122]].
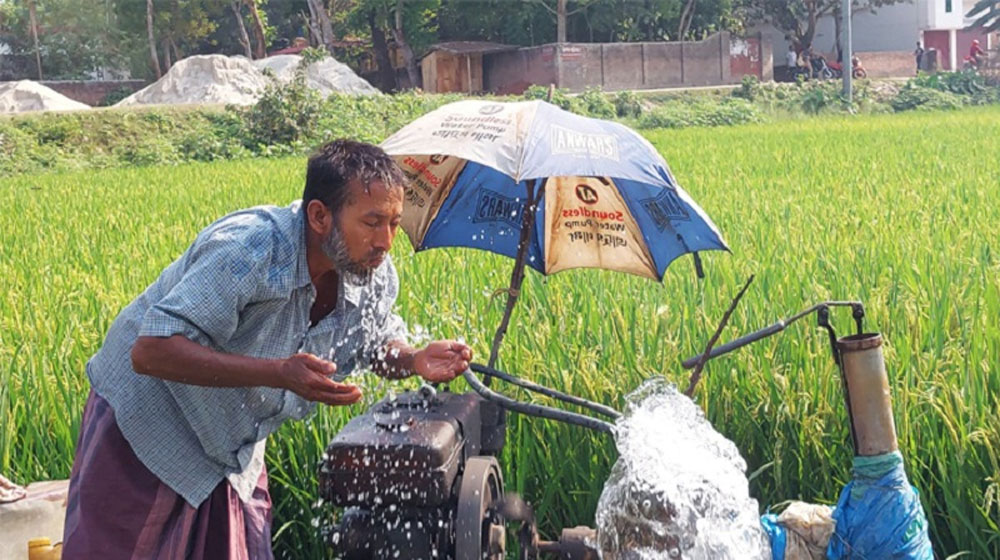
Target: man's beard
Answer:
[[359, 273]]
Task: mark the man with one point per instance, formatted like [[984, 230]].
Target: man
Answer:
[[239, 334], [919, 55], [976, 54]]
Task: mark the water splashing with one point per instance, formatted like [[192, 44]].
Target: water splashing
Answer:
[[678, 489]]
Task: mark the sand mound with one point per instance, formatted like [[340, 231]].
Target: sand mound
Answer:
[[210, 78], [26, 95], [216, 78], [325, 76]]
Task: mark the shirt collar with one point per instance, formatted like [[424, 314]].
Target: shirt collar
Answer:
[[302, 278]]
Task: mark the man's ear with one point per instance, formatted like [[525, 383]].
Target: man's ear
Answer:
[[319, 218]]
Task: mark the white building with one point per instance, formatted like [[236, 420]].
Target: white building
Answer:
[[938, 24]]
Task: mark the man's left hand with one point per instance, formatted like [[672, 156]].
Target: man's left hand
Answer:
[[442, 361]]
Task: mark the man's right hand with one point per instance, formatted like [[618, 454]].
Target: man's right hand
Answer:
[[307, 376]]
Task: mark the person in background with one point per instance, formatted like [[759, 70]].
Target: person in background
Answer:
[[976, 53], [919, 55]]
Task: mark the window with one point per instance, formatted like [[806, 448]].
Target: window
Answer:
[[947, 6]]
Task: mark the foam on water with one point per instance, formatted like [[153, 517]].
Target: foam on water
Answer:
[[678, 489]]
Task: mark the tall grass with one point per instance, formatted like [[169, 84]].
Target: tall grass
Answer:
[[900, 212]]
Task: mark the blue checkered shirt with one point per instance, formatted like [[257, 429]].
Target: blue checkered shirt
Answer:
[[243, 287]]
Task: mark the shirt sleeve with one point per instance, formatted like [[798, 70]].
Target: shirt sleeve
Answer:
[[222, 272], [387, 326]]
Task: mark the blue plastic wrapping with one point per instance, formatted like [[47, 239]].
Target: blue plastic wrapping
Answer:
[[879, 514], [777, 534]]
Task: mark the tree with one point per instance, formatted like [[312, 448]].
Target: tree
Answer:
[[34, 36], [799, 18], [152, 40], [399, 35], [244, 37], [987, 14], [260, 50], [562, 15]]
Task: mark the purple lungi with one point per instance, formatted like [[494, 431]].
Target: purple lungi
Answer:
[[118, 509]]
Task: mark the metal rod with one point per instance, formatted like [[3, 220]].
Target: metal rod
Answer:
[[536, 409], [524, 384], [768, 331], [847, 51]]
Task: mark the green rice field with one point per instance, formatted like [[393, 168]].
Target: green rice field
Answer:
[[898, 211]]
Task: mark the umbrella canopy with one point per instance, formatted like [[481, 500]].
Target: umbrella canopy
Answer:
[[596, 193]]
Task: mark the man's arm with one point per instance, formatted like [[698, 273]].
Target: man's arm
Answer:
[[179, 359], [439, 362]]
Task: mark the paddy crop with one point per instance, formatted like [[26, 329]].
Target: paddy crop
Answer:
[[898, 211]]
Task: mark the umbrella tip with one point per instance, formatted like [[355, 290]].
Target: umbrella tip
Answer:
[[697, 266]]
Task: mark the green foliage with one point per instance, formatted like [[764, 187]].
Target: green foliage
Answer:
[[627, 104], [286, 112], [749, 88], [594, 103], [914, 97], [683, 114], [961, 83], [816, 98], [560, 97]]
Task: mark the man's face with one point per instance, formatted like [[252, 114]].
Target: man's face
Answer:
[[364, 229]]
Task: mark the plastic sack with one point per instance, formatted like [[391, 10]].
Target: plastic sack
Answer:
[[879, 514], [801, 532]]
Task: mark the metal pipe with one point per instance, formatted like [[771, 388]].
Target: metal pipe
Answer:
[[770, 330], [530, 386], [868, 401], [535, 409]]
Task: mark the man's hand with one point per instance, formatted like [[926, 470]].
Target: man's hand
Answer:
[[442, 361], [307, 376]]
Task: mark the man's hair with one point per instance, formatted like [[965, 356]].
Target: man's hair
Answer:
[[337, 163]]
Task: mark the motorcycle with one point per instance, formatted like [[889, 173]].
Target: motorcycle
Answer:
[[820, 68], [857, 71]]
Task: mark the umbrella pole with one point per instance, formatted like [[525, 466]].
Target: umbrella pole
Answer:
[[517, 276]]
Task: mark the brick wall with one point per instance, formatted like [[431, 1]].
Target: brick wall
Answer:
[[92, 92]]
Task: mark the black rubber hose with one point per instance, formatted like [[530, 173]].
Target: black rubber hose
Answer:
[[536, 409], [541, 389]]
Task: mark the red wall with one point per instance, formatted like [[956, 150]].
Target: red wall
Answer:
[[745, 61], [939, 40]]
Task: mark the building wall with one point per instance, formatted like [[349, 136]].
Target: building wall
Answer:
[[890, 28], [512, 72], [92, 92], [619, 66], [938, 39], [446, 72]]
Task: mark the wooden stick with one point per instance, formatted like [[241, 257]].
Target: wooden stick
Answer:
[[517, 276], [696, 374]]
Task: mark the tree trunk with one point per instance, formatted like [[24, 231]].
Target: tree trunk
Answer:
[[411, 61], [386, 73], [685, 23], [152, 39], [260, 49], [560, 21], [173, 47], [167, 63], [244, 37], [33, 22]]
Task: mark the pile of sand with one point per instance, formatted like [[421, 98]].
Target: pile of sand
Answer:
[[216, 78], [209, 78], [325, 76], [26, 95]]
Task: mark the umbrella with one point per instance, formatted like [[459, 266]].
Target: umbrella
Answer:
[[549, 188]]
